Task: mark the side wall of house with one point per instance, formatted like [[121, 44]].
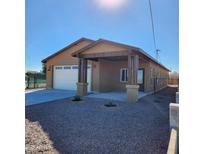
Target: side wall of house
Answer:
[[157, 77], [145, 65]]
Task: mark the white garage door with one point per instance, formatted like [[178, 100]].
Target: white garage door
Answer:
[[66, 76]]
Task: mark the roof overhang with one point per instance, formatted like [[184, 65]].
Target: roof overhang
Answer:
[[128, 50], [63, 49]]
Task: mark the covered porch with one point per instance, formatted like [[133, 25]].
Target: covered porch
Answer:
[[107, 72], [114, 68]]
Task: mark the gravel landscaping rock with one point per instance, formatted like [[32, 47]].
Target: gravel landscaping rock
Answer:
[[36, 140], [90, 127]]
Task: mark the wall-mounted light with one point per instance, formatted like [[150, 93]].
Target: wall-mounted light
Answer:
[[49, 68]]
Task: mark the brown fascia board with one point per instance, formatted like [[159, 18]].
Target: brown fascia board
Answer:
[[136, 49], [68, 46]]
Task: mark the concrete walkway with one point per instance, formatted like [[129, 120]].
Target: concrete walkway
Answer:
[[38, 96], [45, 95], [118, 96]]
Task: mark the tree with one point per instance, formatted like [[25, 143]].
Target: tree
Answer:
[[43, 68]]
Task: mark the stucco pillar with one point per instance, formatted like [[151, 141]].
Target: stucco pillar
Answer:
[[174, 115], [132, 87], [82, 77], [177, 97]]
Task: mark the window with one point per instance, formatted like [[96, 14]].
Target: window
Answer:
[[74, 67], [123, 75], [58, 68], [140, 76], [67, 67]]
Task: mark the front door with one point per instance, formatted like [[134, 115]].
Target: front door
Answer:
[[140, 78]]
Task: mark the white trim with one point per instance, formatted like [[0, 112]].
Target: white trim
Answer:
[[126, 69]]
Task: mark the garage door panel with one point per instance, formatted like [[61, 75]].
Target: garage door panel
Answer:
[[66, 77]]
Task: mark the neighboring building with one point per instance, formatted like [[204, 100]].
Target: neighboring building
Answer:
[[111, 66], [173, 78]]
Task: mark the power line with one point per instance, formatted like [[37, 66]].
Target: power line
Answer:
[[153, 32]]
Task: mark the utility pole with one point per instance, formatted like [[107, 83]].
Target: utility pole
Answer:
[[156, 50], [153, 32], [157, 54]]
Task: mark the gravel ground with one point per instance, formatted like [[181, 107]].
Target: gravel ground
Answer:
[[36, 140], [89, 127]]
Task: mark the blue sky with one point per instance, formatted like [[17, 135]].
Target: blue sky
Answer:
[[53, 24]]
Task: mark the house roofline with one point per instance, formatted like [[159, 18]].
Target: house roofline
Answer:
[[68, 46], [136, 49]]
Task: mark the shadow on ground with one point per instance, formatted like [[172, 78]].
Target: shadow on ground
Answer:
[[90, 127]]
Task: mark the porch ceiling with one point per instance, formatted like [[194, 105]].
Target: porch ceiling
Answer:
[[120, 58], [111, 56], [115, 55], [116, 58]]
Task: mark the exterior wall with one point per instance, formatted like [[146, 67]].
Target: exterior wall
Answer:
[[162, 77], [63, 58], [95, 76], [145, 65], [149, 78], [110, 75], [106, 75]]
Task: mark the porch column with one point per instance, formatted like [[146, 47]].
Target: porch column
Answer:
[[82, 77], [132, 87]]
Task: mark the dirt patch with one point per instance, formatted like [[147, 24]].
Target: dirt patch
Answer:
[[36, 140]]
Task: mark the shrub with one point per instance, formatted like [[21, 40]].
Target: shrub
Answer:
[[110, 104], [76, 98]]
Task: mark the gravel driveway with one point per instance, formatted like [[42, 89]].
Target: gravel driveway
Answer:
[[89, 127]]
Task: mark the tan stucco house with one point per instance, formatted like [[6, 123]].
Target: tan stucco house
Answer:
[[102, 66]]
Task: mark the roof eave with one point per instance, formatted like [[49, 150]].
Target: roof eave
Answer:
[[68, 46]]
